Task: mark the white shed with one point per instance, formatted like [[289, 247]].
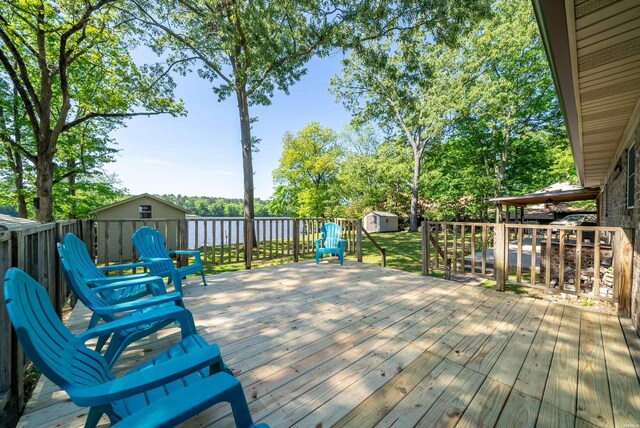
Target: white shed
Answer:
[[380, 221]]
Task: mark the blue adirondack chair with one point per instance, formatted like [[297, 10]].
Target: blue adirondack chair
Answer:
[[110, 311], [184, 380], [330, 242], [78, 256], [151, 247]]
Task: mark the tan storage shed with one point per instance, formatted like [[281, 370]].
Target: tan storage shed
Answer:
[[116, 223], [380, 221]]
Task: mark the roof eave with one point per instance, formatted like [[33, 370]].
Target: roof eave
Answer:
[[552, 22]]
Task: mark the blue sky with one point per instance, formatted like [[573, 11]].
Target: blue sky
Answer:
[[200, 154]]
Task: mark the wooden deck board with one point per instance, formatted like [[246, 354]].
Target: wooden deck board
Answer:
[[365, 346]]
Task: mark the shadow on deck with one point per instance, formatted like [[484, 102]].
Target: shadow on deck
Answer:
[[362, 345]]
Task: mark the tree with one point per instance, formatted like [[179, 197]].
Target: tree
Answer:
[[308, 171], [401, 84], [13, 127], [69, 63], [246, 48], [508, 136]]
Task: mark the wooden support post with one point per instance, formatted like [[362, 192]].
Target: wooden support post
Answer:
[[623, 264], [384, 257], [499, 251], [425, 248], [561, 250], [296, 240], [359, 239]]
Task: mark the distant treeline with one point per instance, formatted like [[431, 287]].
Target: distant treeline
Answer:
[[216, 207]]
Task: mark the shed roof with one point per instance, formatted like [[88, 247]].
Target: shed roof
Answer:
[[133, 198], [383, 214], [12, 223]]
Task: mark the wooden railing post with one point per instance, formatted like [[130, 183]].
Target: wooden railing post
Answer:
[[501, 243], [359, 239], [296, 240], [623, 265], [425, 248]]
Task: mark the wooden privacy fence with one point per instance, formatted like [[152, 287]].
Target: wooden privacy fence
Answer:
[[587, 261], [32, 249]]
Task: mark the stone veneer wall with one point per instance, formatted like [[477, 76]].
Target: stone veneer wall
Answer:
[[614, 212]]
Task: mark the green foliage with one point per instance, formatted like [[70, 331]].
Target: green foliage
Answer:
[[215, 207], [307, 177], [69, 64], [402, 82], [508, 137]]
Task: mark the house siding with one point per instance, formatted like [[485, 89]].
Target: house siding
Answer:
[[614, 212]]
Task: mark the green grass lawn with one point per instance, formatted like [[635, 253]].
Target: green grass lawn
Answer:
[[403, 252]]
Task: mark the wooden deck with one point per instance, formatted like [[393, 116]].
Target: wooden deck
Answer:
[[361, 345]]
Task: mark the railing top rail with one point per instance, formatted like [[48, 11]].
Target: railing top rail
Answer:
[[32, 230], [531, 226], [558, 227], [460, 223], [150, 220]]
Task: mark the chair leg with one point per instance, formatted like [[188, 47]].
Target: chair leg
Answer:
[[317, 257], [341, 256], [238, 402], [94, 320], [204, 280], [93, 418], [115, 348], [101, 341]]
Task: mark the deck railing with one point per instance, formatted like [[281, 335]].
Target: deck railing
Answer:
[[586, 261], [220, 240]]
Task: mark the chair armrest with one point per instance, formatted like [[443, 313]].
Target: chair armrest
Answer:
[[189, 252], [156, 259], [194, 253], [174, 297], [318, 242], [342, 243], [124, 266], [116, 278], [149, 378], [179, 314], [154, 285]]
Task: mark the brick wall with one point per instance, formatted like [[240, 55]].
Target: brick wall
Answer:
[[614, 212]]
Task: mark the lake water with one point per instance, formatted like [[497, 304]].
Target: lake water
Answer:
[[231, 230]]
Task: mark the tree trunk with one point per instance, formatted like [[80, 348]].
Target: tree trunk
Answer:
[[413, 215], [247, 169], [44, 189]]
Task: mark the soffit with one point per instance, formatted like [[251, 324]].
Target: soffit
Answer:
[[606, 56]]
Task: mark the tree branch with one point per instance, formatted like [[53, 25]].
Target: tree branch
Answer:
[[94, 115]]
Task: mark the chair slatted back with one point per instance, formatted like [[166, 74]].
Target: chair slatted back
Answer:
[[330, 235], [75, 279], [150, 243], [57, 353], [81, 259]]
